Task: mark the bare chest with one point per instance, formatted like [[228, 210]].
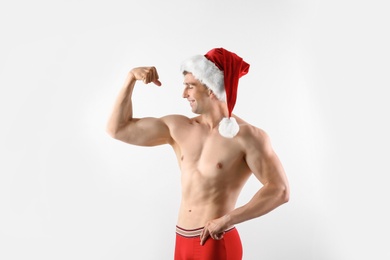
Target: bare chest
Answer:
[[210, 155]]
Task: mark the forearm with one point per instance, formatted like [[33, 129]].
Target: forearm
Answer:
[[265, 200], [123, 108]]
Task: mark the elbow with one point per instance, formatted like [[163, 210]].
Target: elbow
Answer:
[[281, 194], [284, 194], [112, 132]]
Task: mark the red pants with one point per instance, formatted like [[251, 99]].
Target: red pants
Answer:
[[188, 246]]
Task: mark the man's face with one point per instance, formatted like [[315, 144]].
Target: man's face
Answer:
[[196, 93]]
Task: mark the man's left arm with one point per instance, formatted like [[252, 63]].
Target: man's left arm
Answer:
[[266, 166]]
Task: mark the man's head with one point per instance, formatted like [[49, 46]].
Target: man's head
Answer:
[[220, 71], [198, 94], [207, 73]]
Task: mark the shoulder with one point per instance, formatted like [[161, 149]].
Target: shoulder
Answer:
[[250, 131], [181, 127], [252, 137], [178, 121], [172, 120]]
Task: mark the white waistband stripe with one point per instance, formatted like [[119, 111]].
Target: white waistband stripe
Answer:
[[193, 232]]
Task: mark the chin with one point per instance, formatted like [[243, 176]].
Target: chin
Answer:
[[195, 111]]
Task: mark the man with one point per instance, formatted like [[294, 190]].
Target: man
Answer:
[[216, 152]]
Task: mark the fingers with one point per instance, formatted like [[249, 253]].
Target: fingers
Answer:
[[151, 75], [157, 82], [204, 236], [218, 236], [155, 78], [215, 229], [206, 233], [146, 75]]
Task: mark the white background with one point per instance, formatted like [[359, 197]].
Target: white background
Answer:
[[318, 84]]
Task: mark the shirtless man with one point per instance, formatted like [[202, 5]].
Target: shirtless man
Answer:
[[215, 160]]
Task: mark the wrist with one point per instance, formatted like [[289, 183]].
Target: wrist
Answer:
[[131, 76], [228, 220], [130, 80]]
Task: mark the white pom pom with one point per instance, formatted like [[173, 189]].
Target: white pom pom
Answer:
[[228, 127]]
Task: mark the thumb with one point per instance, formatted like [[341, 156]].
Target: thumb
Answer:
[[220, 235], [157, 82]]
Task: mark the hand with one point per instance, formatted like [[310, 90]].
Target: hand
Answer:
[[146, 74], [214, 229]]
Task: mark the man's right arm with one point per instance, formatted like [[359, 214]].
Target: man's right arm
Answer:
[[121, 124]]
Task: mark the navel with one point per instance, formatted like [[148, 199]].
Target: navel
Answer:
[[219, 165]]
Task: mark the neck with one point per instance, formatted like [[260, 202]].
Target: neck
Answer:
[[215, 115]]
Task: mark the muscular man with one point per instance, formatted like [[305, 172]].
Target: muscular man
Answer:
[[216, 152]]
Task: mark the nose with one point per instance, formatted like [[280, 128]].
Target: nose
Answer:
[[185, 94]]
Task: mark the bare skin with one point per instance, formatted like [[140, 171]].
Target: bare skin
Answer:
[[214, 169]]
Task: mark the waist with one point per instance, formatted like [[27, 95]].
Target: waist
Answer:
[[193, 215]]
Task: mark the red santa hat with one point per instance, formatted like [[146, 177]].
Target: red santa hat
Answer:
[[220, 71]]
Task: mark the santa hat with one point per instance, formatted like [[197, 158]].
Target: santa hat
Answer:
[[220, 71]]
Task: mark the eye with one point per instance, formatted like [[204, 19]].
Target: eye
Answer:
[[189, 86]]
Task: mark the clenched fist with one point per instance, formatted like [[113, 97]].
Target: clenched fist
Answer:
[[146, 74]]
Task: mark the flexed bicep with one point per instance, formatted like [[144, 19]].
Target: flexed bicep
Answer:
[[121, 124], [147, 131]]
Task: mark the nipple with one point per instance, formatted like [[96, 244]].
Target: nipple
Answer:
[[182, 157], [219, 165]]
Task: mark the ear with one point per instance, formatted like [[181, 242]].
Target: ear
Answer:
[[211, 94]]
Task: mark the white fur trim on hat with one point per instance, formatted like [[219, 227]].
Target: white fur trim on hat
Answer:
[[206, 72], [228, 127]]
